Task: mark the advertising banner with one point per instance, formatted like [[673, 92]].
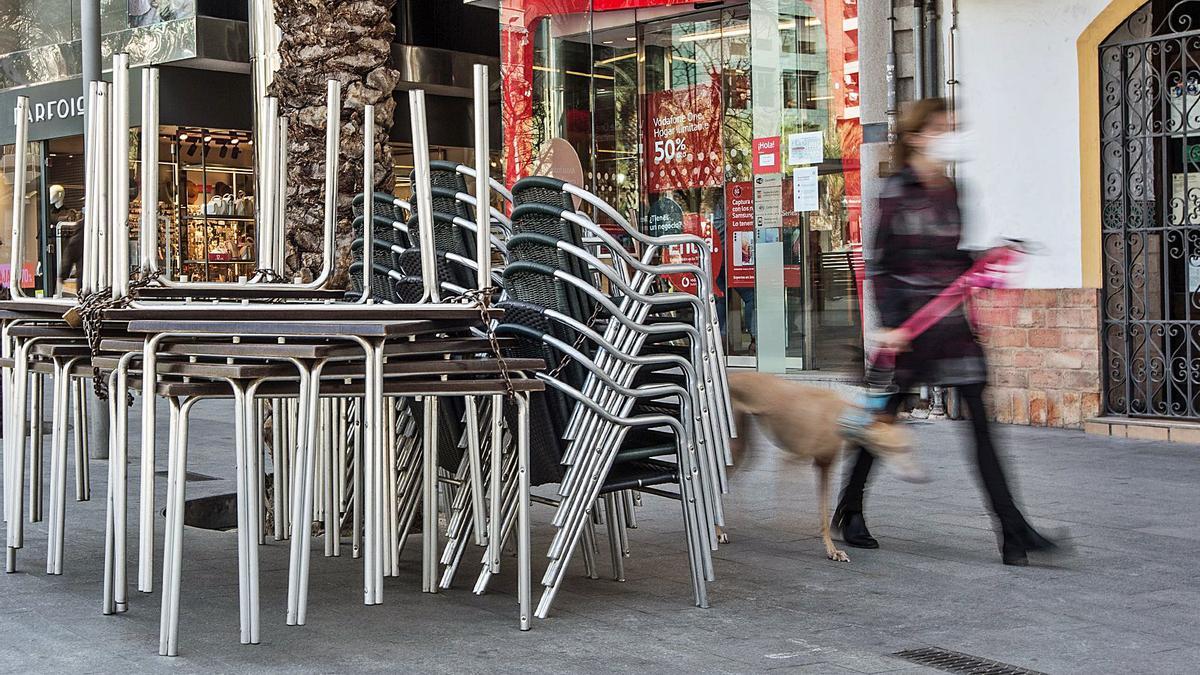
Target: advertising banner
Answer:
[[27, 272], [689, 254], [739, 228], [683, 138]]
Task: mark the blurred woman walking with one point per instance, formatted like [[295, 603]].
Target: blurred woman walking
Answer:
[[913, 257]]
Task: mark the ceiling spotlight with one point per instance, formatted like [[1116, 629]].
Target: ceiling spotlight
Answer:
[[235, 141], [207, 139], [184, 137], [236, 152], [192, 150], [224, 151]]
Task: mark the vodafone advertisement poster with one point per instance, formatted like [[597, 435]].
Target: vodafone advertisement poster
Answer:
[[683, 138], [739, 228]]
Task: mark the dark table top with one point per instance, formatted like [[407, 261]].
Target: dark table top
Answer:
[[300, 348], [297, 313], [236, 292], [382, 328]]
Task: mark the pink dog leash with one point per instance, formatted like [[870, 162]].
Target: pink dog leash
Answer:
[[992, 270]]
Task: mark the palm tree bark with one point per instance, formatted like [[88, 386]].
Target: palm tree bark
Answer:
[[350, 41]]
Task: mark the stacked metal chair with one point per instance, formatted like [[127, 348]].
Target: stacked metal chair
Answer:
[[614, 359]]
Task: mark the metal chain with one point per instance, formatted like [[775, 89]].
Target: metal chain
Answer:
[[269, 275], [578, 344], [481, 299], [89, 315]]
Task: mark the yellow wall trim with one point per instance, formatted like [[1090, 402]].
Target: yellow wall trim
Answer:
[[1089, 132]]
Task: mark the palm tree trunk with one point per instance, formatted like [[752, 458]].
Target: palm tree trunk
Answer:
[[347, 40]]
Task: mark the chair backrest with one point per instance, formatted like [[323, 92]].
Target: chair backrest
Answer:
[[550, 410], [446, 184]]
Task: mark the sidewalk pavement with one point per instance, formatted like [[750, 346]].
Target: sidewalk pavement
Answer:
[[1125, 601]]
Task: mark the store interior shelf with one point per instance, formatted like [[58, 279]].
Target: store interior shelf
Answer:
[[218, 262], [231, 219], [216, 168]]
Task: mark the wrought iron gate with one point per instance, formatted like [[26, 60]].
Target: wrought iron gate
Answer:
[[1150, 163]]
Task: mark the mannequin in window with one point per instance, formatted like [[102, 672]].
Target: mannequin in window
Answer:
[[70, 232]]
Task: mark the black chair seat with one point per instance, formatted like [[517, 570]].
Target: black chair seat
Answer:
[[640, 474], [643, 444]]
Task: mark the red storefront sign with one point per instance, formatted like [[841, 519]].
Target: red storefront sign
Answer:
[[27, 274], [766, 155], [683, 138], [739, 234]]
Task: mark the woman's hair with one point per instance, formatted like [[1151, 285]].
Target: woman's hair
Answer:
[[912, 122]]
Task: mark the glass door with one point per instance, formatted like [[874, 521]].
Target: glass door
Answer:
[[820, 139], [695, 173]]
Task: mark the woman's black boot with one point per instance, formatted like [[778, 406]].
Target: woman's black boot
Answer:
[[1018, 544], [854, 529]]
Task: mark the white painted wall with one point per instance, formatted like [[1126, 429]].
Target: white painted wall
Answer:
[[1019, 97]]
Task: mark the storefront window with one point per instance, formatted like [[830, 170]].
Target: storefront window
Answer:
[[31, 193], [207, 204], [655, 109]]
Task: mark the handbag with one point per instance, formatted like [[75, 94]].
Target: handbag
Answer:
[[244, 206]]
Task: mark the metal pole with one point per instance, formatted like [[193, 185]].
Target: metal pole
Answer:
[[422, 195], [264, 60], [89, 37], [280, 188], [86, 271], [931, 49], [483, 190], [21, 120], [118, 262], [149, 229], [918, 51], [952, 61], [266, 164], [101, 212], [333, 140], [892, 111], [369, 200]]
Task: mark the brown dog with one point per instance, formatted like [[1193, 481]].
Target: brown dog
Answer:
[[803, 421]]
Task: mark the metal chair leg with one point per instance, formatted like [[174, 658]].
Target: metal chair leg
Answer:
[[36, 444], [79, 431]]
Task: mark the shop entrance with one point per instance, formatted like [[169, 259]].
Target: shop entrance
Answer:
[[653, 109]]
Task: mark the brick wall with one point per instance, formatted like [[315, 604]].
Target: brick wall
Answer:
[[1044, 350]]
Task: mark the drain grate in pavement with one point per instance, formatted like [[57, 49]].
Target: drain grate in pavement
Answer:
[[954, 662], [190, 476]]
